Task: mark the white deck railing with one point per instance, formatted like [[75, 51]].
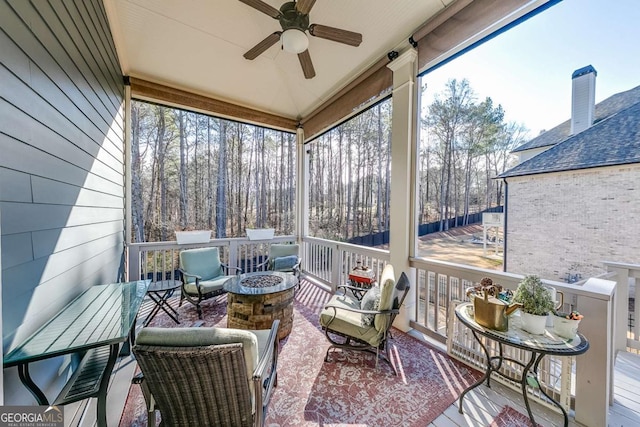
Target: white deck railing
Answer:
[[627, 311], [439, 284], [159, 260], [329, 261]]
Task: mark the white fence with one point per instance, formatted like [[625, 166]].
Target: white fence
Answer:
[[159, 260]]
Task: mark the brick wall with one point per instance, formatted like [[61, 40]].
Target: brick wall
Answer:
[[569, 222]]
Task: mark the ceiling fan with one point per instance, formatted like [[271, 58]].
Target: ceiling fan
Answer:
[[294, 20]]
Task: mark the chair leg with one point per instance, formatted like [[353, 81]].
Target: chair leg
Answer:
[[151, 418], [199, 310]]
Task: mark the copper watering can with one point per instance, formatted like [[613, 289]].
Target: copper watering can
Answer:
[[490, 311]]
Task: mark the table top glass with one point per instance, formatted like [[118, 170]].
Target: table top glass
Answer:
[[240, 284], [164, 285], [548, 343], [101, 315]]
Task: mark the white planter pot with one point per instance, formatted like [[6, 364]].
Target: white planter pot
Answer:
[[196, 236], [533, 323], [566, 328], [260, 233]]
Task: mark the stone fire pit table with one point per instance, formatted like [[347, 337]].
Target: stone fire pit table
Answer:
[[255, 300]]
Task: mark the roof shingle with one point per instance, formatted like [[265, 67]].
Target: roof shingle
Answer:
[[613, 139]]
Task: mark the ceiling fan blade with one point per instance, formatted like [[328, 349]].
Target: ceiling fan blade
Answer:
[[265, 44], [263, 7], [335, 34], [304, 6], [306, 64]]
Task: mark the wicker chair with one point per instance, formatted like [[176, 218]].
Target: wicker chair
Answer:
[[207, 376], [351, 324], [203, 275]]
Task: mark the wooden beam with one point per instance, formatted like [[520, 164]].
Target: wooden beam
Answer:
[[178, 97]]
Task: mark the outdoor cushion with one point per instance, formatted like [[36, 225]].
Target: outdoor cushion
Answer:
[[196, 337], [280, 250], [207, 286], [348, 322], [285, 262], [370, 301], [387, 286], [203, 262]]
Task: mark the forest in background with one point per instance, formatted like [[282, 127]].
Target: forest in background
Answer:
[[193, 171]]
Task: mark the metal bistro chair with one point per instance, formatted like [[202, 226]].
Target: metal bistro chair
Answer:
[[364, 325], [282, 257], [207, 376], [203, 275]]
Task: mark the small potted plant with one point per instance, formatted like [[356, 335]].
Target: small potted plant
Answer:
[[536, 304], [566, 324]]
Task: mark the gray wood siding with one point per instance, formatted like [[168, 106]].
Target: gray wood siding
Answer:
[[61, 161]]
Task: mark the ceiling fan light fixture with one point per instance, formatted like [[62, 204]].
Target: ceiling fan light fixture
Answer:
[[294, 41]]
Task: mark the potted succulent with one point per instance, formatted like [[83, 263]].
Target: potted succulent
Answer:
[[536, 304], [566, 324]]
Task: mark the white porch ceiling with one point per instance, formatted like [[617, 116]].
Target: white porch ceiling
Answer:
[[197, 45]]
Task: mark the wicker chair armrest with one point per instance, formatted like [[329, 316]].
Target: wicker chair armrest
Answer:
[[267, 365], [269, 356]]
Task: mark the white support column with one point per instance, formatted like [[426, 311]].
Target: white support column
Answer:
[[127, 183], [302, 191], [403, 168], [594, 369]]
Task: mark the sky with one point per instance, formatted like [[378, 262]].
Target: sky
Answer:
[[528, 68]]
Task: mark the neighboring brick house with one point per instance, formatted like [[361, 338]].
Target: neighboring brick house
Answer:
[[574, 200]]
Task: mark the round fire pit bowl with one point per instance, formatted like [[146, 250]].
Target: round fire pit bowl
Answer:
[[255, 300]]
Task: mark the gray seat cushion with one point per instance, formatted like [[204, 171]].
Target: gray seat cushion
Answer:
[[207, 286]]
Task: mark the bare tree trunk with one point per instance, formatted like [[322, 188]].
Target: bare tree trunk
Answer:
[[162, 181], [209, 178], [221, 183], [183, 169], [137, 218]]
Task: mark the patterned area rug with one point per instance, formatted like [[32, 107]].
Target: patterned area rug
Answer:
[[509, 417], [347, 390]]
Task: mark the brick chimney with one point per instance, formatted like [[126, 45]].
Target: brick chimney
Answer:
[[583, 98]]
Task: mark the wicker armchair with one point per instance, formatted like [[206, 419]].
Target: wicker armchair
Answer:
[[207, 376], [203, 275], [353, 324]]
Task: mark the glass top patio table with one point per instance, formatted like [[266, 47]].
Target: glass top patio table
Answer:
[[95, 324], [538, 346], [101, 315]]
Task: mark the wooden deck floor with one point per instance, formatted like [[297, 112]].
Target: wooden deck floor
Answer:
[[483, 404]]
